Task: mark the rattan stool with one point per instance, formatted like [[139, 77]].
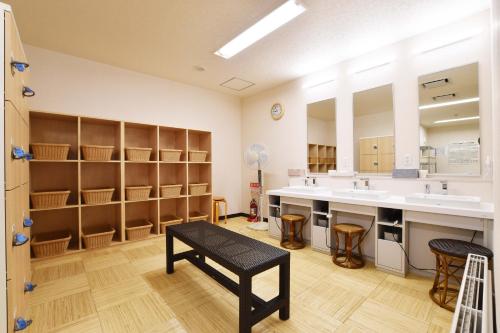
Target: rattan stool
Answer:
[[451, 255], [346, 258], [294, 239], [216, 201]]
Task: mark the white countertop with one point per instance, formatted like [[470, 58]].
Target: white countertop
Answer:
[[396, 202]]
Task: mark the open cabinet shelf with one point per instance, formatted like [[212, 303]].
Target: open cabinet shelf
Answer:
[[77, 174]]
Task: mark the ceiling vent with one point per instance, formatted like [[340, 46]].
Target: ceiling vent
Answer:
[[237, 84], [435, 83], [446, 97]]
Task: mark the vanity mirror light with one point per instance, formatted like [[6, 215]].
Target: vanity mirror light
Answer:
[[321, 136], [449, 121], [374, 130]]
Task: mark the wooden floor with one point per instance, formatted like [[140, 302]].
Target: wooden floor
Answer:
[[125, 289]]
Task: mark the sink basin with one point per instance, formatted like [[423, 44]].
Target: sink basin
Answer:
[[462, 201], [361, 194], [307, 189]]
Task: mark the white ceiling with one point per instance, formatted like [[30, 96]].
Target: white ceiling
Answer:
[[168, 38]]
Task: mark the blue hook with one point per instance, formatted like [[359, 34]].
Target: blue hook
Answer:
[[27, 222], [28, 92], [29, 287], [20, 239], [21, 324], [18, 152], [20, 66]]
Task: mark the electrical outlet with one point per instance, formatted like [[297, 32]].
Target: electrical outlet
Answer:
[[407, 160]]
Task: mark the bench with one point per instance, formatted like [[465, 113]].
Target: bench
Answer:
[[241, 255]]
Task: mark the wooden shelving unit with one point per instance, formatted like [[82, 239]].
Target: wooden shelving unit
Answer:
[[321, 158], [77, 174]]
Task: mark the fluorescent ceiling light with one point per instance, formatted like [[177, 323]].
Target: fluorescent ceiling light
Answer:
[[455, 119], [317, 83], [372, 67], [272, 21], [438, 105], [456, 40]]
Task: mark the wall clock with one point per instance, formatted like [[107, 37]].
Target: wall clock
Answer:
[[277, 111]]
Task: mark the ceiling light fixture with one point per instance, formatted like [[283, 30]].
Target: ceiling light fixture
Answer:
[[373, 66], [314, 84], [438, 105], [457, 40], [455, 119], [272, 21]]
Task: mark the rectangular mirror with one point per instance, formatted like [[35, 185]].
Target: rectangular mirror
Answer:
[[374, 131], [321, 136], [449, 121]]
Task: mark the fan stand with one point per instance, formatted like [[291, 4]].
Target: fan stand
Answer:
[[261, 225]]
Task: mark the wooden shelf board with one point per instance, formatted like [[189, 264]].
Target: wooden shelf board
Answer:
[[178, 162], [54, 161], [141, 162], [54, 208], [149, 199], [112, 161], [102, 204], [199, 195], [179, 197], [199, 162], [390, 224]]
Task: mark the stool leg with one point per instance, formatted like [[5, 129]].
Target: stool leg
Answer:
[[348, 248], [337, 245], [217, 212], [291, 233], [225, 211], [359, 249]]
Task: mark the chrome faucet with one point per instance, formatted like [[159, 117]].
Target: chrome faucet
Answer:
[[444, 186], [427, 188], [355, 185], [307, 183], [365, 182]]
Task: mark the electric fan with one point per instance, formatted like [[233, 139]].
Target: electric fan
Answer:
[[256, 157]]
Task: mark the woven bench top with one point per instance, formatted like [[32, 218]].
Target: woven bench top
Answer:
[[237, 252]]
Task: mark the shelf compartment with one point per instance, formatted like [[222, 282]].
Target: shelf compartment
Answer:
[[173, 174], [200, 141], [101, 133], [46, 177], [97, 237], [173, 138], [320, 206], [200, 206], [42, 130], [142, 136], [48, 221], [200, 174], [101, 176], [101, 216], [173, 207], [389, 215], [137, 174], [142, 210]]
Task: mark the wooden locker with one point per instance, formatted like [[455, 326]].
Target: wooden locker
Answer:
[[368, 163], [386, 145], [13, 173], [11, 214], [24, 142], [385, 163], [368, 146], [11, 306]]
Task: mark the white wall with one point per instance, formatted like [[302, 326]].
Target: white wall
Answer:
[[65, 84], [321, 132]]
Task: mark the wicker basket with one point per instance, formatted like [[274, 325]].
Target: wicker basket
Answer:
[[198, 189], [198, 155], [50, 151], [138, 229], [168, 220], [97, 196], [135, 193], [170, 155], [170, 191], [50, 244], [52, 199], [97, 153], [138, 154], [197, 216], [96, 237]]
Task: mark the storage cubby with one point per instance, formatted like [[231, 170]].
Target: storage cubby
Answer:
[[320, 206], [53, 128], [390, 233], [97, 216], [102, 133], [138, 174], [54, 176], [321, 158], [390, 215], [274, 200], [174, 174], [47, 221], [200, 206], [99, 176], [200, 141], [175, 207], [142, 210], [174, 138], [200, 174], [142, 136]]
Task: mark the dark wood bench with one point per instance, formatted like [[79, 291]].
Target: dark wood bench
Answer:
[[241, 255]]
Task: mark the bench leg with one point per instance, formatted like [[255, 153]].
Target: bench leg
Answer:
[[245, 295], [170, 253], [284, 312]]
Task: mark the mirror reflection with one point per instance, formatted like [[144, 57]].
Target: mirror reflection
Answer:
[[449, 121], [321, 136], [374, 130]]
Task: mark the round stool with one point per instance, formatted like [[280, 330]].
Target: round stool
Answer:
[[294, 239], [346, 258], [216, 201], [451, 255]]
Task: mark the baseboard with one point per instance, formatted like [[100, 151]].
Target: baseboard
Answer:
[[239, 215]]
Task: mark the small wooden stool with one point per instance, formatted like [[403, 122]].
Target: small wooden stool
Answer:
[[294, 240], [216, 201], [346, 258], [451, 256]]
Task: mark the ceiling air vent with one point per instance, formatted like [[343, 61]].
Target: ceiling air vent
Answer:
[[237, 84], [446, 97], [436, 83]]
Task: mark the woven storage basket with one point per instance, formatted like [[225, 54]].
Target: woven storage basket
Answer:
[[134, 193], [197, 216], [50, 151], [170, 155], [168, 220], [198, 189], [50, 244], [50, 199], [138, 154], [198, 155], [96, 237], [138, 229], [97, 153], [97, 196], [170, 191]]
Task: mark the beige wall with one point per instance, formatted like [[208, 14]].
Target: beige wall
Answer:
[[320, 131], [70, 85]]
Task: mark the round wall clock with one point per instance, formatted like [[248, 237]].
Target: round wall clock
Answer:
[[277, 111]]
